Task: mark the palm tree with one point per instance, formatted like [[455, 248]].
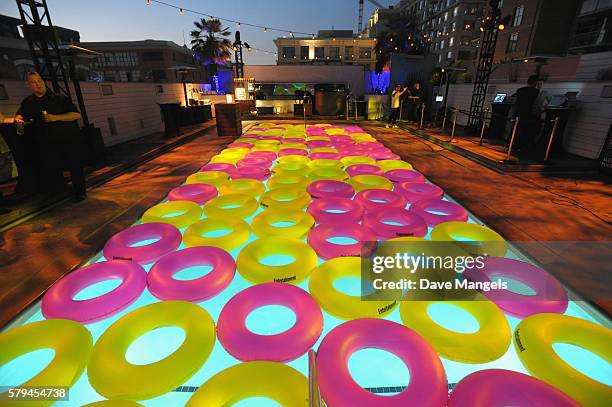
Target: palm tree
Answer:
[[210, 45]]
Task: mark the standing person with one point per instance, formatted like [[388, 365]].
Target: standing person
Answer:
[[53, 120], [415, 96], [527, 107], [395, 105], [405, 103]]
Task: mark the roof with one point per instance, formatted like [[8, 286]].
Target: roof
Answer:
[[125, 45]]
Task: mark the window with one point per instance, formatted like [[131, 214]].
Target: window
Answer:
[[442, 44], [453, 26], [112, 126], [364, 53], [446, 16], [152, 56], [456, 11], [334, 52], [349, 53], [512, 43], [288, 52], [106, 90], [449, 55], [451, 41], [440, 58], [159, 75], [464, 55], [466, 41], [319, 53], [518, 15], [304, 52], [468, 25]]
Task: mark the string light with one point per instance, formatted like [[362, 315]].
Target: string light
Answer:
[[148, 2], [265, 29], [181, 11], [238, 24]]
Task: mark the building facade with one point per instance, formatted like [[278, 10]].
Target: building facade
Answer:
[[339, 47], [143, 61], [592, 28]]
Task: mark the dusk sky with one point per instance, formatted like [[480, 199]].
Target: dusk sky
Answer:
[[117, 20]]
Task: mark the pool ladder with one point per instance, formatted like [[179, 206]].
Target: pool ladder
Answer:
[[313, 383]]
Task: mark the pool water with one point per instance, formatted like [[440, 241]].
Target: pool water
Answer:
[[371, 368]]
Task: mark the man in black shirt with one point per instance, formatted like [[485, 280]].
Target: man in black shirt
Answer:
[[53, 119], [528, 111]]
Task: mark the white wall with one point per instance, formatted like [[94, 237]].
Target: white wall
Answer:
[[349, 74], [132, 105]]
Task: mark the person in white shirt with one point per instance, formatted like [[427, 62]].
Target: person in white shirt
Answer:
[[395, 104]]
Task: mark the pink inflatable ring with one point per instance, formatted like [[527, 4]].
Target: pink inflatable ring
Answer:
[[292, 151], [326, 155], [415, 191], [164, 286], [258, 173], [427, 387], [254, 162], [435, 211], [198, 193], [404, 175], [223, 167], [334, 210], [365, 238], [372, 199], [269, 155], [360, 169], [406, 223], [120, 246], [549, 297], [58, 301], [245, 345], [498, 387], [330, 188]]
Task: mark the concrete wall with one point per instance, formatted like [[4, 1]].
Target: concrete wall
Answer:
[[352, 75], [133, 106]]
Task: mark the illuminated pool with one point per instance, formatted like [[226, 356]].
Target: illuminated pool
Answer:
[[379, 371]]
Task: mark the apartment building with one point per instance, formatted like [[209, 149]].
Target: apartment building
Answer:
[[339, 47], [592, 28]]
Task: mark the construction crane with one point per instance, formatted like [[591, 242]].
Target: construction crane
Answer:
[[360, 21]]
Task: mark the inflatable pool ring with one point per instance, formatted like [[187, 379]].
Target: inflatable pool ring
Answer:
[[268, 141], [250, 267], [258, 173], [198, 193], [267, 148], [293, 159], [361, 182], [227, 158], [276, 381], [289, 345], [268, 155], [301, 223], [287, 180], [372, 199], [480, 239], [365, 238], [415, 191], [330, 189], [324, 155], [292, 167], [292, 151], [240, 144], [331, 131], [361, 169], [121, 245], [404, 175], [178, 213], [221, 167], [239, 232], [499, 387], [70, 341], [427, 387], [112, 376], [246, 186], [533, 341], [405, 223], [293, 143], [489, 343], [435, 211], [384, 155], [113, 403], [549, 297], [234, 152], [334, 210], [325, 149], [254, 162], [357, 159], [240, 205], [214, 178], [339, 304], [163, 285], [285, 198], [59, 301], [353, 129], [334, 174], [326, 164]]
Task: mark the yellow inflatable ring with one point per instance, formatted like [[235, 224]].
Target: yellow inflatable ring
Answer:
[[240, 231], [369, 181], [357, 159], [239, 205], [284, 159], [226, 158], [533, 340], [250, 267], [470, 237], [335, 174], [291, 167], [215, 178], [287, 180], [266, 147], [323, 150], [187, 212], [275, 381], [293, 144], [263, 224], [325, 163], [388, 165], [489, 343], [113, 403], [112, 376], [286, 198], [337, 303], [247, 186], [71, 342]]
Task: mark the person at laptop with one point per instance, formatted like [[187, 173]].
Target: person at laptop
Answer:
[[528, 109]]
